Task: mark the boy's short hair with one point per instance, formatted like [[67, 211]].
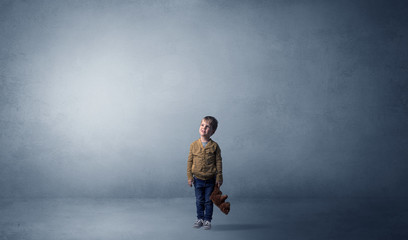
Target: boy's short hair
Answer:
[[213, 122]]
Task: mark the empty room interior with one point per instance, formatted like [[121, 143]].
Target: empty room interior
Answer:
[[100, 101]]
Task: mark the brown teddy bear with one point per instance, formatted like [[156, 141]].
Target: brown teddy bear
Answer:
[[219, 200]]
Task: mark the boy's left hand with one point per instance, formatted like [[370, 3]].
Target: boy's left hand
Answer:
[[219, 184]]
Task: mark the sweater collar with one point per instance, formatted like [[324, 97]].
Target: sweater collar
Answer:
[[208, 143]]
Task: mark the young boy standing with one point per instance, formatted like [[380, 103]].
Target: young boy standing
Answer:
[[204, 170]]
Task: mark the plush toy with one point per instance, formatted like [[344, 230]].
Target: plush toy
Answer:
[[219, 200]]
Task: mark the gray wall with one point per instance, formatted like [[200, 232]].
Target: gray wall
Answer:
[[103, 98]]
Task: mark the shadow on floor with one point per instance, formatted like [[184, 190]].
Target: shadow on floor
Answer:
[[237, 227]]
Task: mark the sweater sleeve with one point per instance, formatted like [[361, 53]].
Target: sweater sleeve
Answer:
[[218, 161], [190, 164]]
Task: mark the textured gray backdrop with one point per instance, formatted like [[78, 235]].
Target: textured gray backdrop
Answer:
[[103, 98]]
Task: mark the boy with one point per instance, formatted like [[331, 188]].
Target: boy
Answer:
[[204, 170]]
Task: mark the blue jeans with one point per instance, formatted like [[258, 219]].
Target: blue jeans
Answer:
[[203, 190]]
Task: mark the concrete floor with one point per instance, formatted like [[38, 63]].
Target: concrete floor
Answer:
[[117, 219]]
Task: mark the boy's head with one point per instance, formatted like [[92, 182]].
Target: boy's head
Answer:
[[208, 126]]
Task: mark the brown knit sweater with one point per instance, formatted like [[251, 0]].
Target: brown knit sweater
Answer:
[[204, 162]]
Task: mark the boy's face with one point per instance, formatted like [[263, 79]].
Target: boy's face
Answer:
[[205, 129]]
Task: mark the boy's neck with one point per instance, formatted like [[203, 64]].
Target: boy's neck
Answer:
[[203, 139]]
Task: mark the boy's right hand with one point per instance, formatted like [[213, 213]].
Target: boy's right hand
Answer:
[[190, 183]]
